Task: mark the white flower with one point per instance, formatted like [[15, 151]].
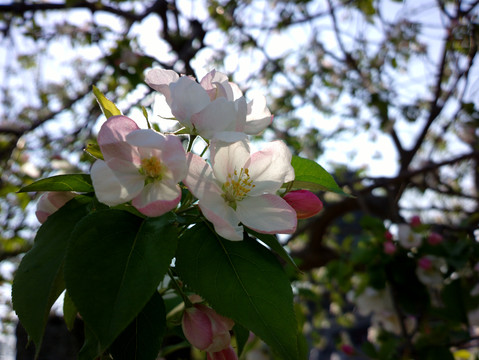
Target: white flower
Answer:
[[407, 237], [213, 108], [430, 270], [241, 188], [379, 304], [140, 165]]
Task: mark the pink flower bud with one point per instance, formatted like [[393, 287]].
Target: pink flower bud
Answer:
[[434, 238], [225, 354], [304, 202], [205, 329], [51, 202], [389, 247], [347, 349], [388, 236], [425, 263], [415, 221]]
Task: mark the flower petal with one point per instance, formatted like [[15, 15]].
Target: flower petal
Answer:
[[241, 109], [171, 153], [112, 139], [187, 98], [229, 136], [157, 198], [228, 157], [160, 79], [200, 179], [223, 217], [146, 138], [219, 115], [270, 168], [258, 116], [107, 187], [267, 214], [210, 83]]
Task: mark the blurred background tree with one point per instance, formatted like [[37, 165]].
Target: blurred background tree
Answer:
[[383, 93]]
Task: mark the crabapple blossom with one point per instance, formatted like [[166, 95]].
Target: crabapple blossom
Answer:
[[205, 329], [51, 202], [430, 270], [240, 187], [140, 165], [213, 108], [380, 304], [407, 237], [304, 202]]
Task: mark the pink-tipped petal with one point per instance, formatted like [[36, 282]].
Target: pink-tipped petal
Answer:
[[270, 168], [267, 214], [210, 83], [157, 199], [112, 139], [160, 80], [223, 217], [51, 202]]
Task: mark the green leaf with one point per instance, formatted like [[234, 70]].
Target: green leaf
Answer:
[[39, 278], [113, 266], [242, 336], [91, 348], [107, 107], [71, 182], [311, 176], [69, 311], [94, 150], [141, 340], [275, 245], [241, 280]]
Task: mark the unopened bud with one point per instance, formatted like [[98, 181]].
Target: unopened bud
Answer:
[[434, 238], [205, 329], [425, 263], [415, 221], [51, 202], [304, 202], [389, 247]]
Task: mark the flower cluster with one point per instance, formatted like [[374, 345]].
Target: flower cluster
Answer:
[[232, 187], [235, 187]]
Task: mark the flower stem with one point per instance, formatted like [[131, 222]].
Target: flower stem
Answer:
[[177, 286], [206, 148], [190, 144]]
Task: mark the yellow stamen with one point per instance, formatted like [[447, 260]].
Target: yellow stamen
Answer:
[[237, 186], [152, 168]]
